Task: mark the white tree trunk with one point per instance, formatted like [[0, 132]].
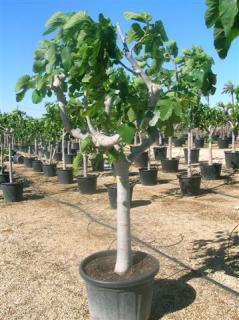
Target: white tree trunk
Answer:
[[36, 147], [2, 155], [233, 142], [160, 139], [85, 165], [68, 147], [135, 138], [189, 171], [63, 151], [149, 162], [124, 257], [10, 161], [170, 147], [210, 150]]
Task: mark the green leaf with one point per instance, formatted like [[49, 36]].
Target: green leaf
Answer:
[[155, 119], [135, 33], [85, 145], [40, 82], [228, 11], [66, 58], [51, 55], [126, 132], [141, 17], [113, 155], [87, 77], [20, 96], [75, 20], [36, 97], [131, 115], [22, 83], [165, 109], [212, 12]]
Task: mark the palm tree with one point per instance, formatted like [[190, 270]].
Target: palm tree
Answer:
[[229, 89]]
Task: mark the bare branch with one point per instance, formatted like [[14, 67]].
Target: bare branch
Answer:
[[108, 104]]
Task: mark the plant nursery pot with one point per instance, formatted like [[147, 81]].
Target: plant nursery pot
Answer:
[[37, 165], [69, 158], [58, 156], [123, 298], [194, 155], [223, 143], [47, 154], [112, 193], [4, 177], [142, 160], [49, 170], [65, 176], [87, 185], [199, 143], [18, 159], [170, 165], [28, 161], [12, 192], [232, 159], [210, 172], [75, 146], [97, 164], [189, 186], [160, 153], [178, 142], [148, 177]]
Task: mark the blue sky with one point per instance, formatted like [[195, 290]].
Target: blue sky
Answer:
[[22, 24]]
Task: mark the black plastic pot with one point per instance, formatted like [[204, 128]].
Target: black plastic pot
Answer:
[[178, 142], [170, 165], [87, 185], [199, 143], [49, 170], [18, 159], [37, 165], [69, 158], [189, 186], [65, 176], [148, 177], [142, 160], [58, 156], [97, 164], [112, 193], [47, 154], [4, 177], [12, 192], [194, 155], [223, 143], [28, 162], [75, 146], [211, 172], [232, 159], [125, 299], [160, 153]]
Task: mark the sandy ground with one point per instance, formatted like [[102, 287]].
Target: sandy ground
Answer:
[[44, 238]]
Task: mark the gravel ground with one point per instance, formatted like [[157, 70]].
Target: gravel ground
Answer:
[[44, 237]]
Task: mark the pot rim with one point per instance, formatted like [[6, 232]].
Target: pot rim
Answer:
[[116, 283]]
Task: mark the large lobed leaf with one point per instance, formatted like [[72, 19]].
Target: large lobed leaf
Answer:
[[22, 83], [141, 17]]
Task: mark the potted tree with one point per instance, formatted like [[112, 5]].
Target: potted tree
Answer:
[[98, 70], [65, 175]]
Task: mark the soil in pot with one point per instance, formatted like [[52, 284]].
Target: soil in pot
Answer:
[[49, 170], [12, 192], [87, 185], [170, 165], [223, 143], [194, 155], [190, 186], [160, 153], [232, 159], [28, 161], [65, 176], [114, 297], [210, 172], [199, 143], [112, 193], [148, 177], [37, 165]]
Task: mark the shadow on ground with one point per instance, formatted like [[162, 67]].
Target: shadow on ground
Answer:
[[170, 296]]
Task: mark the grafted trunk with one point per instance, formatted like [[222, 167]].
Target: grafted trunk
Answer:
[[10, 161], [210, 150], [124, 258], [63, 151], [170, 147], [85, 165], [68, 147], [189, 171], [2, 155], [36, 147]]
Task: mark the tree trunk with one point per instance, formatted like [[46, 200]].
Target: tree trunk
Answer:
[[233, 142], [189, 153], [124, 258], [85, 165], [68, 147], [10, 161], [197, 132], [36, 147], [160, 139], [63, 151], [2, 156], [210, 150], [170, 146]]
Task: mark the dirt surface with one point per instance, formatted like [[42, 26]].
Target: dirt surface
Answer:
[[44, 238]]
